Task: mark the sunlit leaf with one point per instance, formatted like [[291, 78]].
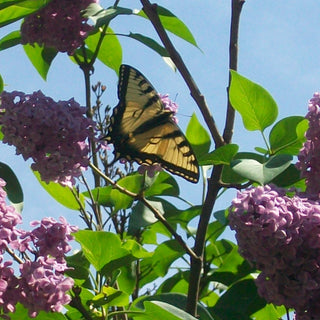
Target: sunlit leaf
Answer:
[[1, 89], [255, 105], [198, 136], [11, 11], [288, 135], [163, 184], [111, 297], [10, 40], [110, 51], [40, 57], [61, 194], [173, 24]]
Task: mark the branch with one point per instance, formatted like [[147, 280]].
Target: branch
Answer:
[[156, 213], [151, 12], [233, 64], [214, 182]]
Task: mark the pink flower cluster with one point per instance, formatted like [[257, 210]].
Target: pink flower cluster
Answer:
[[58, 25], [41, 284], [309, 155], [169, 105], [281, 236], [52, 133]]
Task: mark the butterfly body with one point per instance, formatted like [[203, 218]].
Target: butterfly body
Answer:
[[142, 130]]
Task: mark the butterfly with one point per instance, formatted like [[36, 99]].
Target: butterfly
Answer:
[[142, 130]]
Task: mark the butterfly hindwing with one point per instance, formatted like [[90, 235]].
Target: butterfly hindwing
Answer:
[[142, 130]]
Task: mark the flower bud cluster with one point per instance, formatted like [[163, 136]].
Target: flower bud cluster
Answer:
[[41, 285], [169, 105], [58, 25], [52, 133]]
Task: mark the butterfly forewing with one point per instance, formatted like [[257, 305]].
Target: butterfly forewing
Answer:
[[142, 130]]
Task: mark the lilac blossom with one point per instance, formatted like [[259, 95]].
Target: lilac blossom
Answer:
[[169, 105], [309, 155], [59, 25], [280, 235], [151, 170], [52, 133]]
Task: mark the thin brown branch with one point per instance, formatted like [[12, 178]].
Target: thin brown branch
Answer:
[[151, 11], [233, 64], [156, 213]]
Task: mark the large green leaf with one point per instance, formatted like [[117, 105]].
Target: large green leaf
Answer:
[[173, 24], [256, 106], [111, 297], [61, 194], [288, 135], [161, 310], [13, 187], [10, 40], [241, 299], [110, 51], [11, 11], [100, 247], [40, 57], [179, 300], [198, 136], [262, 173]]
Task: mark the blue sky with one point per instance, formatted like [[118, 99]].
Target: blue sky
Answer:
[[278, 48]]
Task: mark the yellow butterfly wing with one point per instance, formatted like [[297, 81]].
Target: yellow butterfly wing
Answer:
[[143, 131]]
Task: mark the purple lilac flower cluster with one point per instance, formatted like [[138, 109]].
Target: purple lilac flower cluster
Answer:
[[41, 285], [169, 105], [52, 133], [58, 25], [280, 235], [309, 155]]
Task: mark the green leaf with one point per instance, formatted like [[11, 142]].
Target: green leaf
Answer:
[[111, 297], [101, 196], [256, 106], [288, 177], [11, 11], [173, 24], [288, 135], [40, 57], [13, 187], [101, 16], [222, 155], [110, 51], [198, 137], [79, 266], [1, 89], [133, 183], [242, 300], [230, 176], [22, 313], [151, 43], [161, 310], [270, 312], [61, 194], [262, 172], [180, 301], [162, 184], [100, 247], [142, 216], [10, 40]]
